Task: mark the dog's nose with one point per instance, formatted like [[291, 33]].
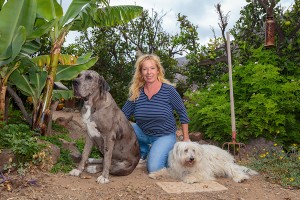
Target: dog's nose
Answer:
[[191, 158]]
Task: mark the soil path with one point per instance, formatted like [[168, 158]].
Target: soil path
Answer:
[[135, 186]]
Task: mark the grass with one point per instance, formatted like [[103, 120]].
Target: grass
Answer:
[[279, 165]]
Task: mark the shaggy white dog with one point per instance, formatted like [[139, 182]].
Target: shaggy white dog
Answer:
[[192, 162]]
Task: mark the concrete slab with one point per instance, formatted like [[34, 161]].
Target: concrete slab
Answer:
[[181, 187]]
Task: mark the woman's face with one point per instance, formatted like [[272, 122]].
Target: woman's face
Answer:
[[149, 71]]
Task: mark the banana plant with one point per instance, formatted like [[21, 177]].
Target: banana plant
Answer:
[[80, 15], [31, 77], [30, 83], [19, 30], [25, 21]]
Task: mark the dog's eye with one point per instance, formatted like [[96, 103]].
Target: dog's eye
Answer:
[[186, 150], [88, 77]]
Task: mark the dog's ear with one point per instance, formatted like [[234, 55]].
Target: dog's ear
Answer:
[[103, 85], [176, 150], [199, 150]]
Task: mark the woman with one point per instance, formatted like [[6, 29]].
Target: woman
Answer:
[[152, 102]]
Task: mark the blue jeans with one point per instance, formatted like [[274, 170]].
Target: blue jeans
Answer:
[[154, 148]]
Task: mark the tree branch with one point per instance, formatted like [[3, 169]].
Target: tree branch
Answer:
[[20, 104]]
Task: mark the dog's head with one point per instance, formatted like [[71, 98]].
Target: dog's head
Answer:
[[187, 153], [89, 82]]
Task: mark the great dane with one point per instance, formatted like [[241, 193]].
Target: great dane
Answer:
[[107, 128]]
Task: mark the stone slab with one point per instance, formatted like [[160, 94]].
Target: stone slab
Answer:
[[181, 187]]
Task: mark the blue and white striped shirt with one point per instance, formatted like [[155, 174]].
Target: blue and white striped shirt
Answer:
[[155, 116]]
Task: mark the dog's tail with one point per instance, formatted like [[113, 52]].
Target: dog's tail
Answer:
[[249, 171]]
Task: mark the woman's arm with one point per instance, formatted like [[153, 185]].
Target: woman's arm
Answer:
[[185, 132]]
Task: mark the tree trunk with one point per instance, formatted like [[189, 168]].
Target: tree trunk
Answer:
[[6, 107], [2, 101], [20, 104], [49, 127], [43, 111]]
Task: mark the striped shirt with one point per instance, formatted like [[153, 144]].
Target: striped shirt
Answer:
[[155, 116]]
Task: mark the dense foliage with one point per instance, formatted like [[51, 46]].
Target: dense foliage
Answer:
[[21, 140], [266, 103]]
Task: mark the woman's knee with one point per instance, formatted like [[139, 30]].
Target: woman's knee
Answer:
[[158, 155]]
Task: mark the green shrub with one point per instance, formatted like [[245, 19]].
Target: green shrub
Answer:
[[95, 153], [266, 105], [64, 163], [21, 140]]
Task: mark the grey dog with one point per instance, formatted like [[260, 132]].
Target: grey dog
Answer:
[[107, 128]]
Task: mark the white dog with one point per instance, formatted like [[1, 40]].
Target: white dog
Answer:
[[192, 162]]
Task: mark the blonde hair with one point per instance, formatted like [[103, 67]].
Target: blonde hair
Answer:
[[138, 81]]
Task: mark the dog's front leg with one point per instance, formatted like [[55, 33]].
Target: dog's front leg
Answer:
[[85, 155], [108, 150], [190, 179]]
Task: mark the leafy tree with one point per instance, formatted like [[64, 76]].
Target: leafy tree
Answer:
[[249, 33], [207, 63], [117, 48]]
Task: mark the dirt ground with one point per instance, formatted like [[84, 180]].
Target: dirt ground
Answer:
[[46, 186]]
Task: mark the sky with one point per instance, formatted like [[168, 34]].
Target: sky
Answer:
[[200, 12]]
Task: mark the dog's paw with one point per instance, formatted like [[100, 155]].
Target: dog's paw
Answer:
[[75, 172], [240, 178], [159, 174], [102, 180], [190, 180], [154, 176]]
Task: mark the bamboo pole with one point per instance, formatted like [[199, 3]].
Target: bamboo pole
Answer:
[[233, 128]]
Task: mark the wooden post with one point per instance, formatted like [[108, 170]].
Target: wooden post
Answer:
[[231, 89]]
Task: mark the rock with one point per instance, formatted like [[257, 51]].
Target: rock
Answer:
[[63, 121], [74, 152], [196, 136], [53, 151], [7, 157]]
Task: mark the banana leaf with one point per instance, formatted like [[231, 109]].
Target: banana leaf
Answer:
[[74, 10], [65, 94], [91, 16], [14, 14], [49, 9], [68, 72], [16, 45], [30, 85]]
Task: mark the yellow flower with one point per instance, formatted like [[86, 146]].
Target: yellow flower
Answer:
[[292, 179], [262, 155], [281, 157], [275, 144]]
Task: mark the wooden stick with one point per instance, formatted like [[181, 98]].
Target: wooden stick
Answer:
[[231, 89]]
